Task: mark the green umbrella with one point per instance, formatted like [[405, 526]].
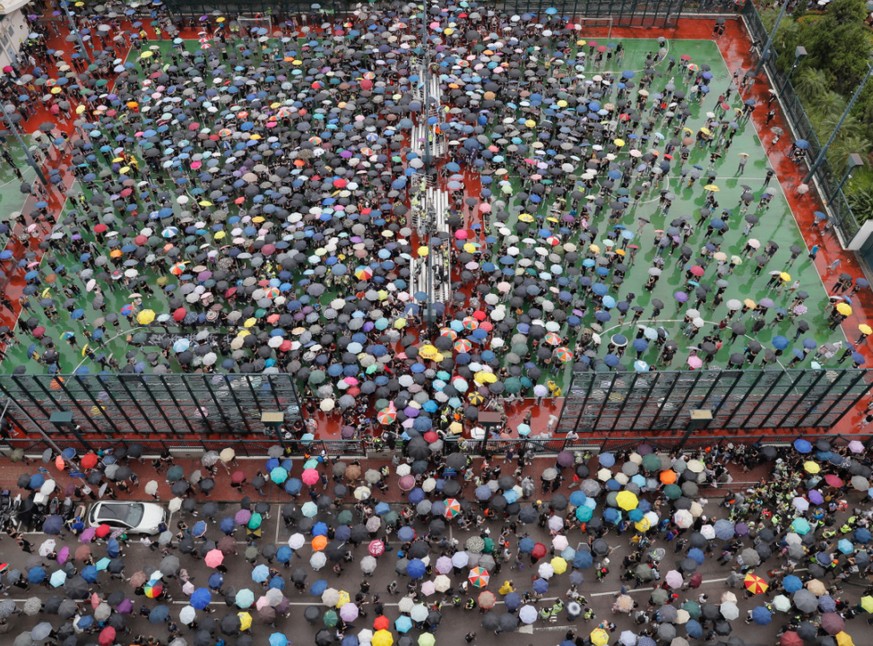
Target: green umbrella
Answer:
[[330, 618], [651, 462], [673, 492]]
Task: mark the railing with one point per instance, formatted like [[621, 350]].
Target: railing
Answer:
[[843, 218], [182, 406], [664, 403]]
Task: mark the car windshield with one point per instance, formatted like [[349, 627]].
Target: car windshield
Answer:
[[130, 514]]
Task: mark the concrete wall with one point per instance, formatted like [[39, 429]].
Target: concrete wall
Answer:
[[13, 32]]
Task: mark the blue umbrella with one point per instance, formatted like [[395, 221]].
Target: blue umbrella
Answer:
[[540, 586], [278, 639], [36, 575], [606, 460], [415, 569], [791, 584], [780, 342], [403, 624], [526, 545], [200, 599], [583, 560], [260, 573], [761, 616], [803, 144], [802, 446]]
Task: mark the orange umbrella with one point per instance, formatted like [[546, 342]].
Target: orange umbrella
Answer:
[[668, 477], [319, 543]]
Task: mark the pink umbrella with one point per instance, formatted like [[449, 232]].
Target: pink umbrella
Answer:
[[695, 362], [63, 555], [674, 579], [407, 483], [310, 477], [214, 558], [87, 535]]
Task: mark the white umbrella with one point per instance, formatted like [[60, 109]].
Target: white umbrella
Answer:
[[442, 583], [368, 564], [296, 541], [187, 615], [317, 561], [47, 547]]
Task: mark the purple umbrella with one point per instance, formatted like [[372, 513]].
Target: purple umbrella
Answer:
[[681, 297]]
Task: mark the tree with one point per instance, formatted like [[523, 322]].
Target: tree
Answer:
[[839, 42]]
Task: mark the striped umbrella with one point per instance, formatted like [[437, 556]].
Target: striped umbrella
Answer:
[[479, 577], [755, 584]]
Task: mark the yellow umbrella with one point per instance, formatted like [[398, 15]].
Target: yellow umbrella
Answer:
[[865, 329], [145, 317], [844, 309], [598, 637], [750, 303], [593, 248], [844, 639], [530, 123], [400, 323], [785, 276], [456, 428], [427, 351], [811, 467], [250, 322], [245, 620], [475, 398], [627, 500], [867, 603], [619, 142], [343, 599], [382, 638], [643, 524], [423, 251], [485, 377], [147, 54], [559, 565], [526, 217], [471, 247], [706, 131], [712, 188]]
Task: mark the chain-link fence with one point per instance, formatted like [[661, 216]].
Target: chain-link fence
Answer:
[[842, 216]]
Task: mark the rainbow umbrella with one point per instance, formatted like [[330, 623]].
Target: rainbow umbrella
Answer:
[[453, 508], [563, 355], [479, 577]]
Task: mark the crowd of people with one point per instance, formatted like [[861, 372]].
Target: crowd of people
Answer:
[[797, 545]]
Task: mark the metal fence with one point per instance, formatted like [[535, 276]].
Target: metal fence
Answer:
[[611, 403], [182, 406], [842, 216], [625, 13]]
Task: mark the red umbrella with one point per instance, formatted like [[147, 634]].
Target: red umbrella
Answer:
[[179, 314], [376, 548], [696, 270], [103, 531], [107, 636], [790, 638], [834, 481], [538, 551], [381, 623], [89, 461], [237, 477]]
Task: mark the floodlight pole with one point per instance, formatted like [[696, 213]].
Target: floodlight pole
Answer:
[[851, 104], [765, 53], [17, 133], [75, 31]]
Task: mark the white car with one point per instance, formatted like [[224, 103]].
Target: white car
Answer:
[[133, 517]]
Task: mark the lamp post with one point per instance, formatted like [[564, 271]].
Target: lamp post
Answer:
[[11, 116], [799, 52], [75, 31], [765, 52], [851, 104], [854, 161]]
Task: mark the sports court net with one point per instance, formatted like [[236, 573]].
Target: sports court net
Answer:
[[593, 28], [257, 25]]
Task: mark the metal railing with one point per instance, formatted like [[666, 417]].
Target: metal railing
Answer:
[[843, 218], [663, 403], [184, 406]]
